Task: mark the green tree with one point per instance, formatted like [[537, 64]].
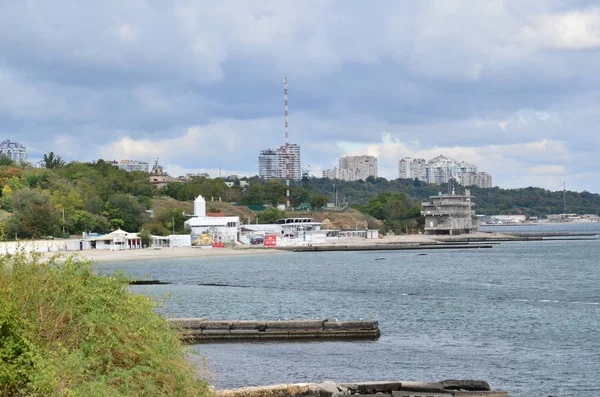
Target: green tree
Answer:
[[35, 215], [6, 161], [256, 194], [52, 161], [300, 195], [271, 215], [125, 212], [318, 201], [274, 191]]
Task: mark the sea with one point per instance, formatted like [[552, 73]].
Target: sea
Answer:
[[524, 316]]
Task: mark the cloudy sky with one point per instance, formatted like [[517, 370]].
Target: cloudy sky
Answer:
[[512, 86]]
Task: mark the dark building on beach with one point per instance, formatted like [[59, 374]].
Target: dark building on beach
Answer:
[[449, 214]]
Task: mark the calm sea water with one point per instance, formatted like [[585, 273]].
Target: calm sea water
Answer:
[[524, 316]]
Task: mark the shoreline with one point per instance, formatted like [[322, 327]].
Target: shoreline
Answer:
[[103, 256], [352, 244]]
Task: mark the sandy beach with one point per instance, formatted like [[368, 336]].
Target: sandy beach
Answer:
[[189, 252]]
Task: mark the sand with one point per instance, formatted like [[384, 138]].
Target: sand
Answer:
[[189, 252]]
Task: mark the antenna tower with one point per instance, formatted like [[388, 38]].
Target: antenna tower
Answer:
[[287, 145]]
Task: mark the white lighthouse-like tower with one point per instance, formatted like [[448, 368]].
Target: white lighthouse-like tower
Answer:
[[200, 206]]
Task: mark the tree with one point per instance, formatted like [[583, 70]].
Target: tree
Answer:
[[52, 161], [300, 195], [274, 191], [318, 201], [5, 160], [256, 194], [125, 212], [271, 215], [35, 216]]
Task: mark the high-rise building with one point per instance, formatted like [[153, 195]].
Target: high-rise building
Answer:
[[479, 179], [272, 163], [409, 168], [442, 169], [353, 168], [13, 150]]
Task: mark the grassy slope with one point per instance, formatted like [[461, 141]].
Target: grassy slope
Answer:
[[64, 331]]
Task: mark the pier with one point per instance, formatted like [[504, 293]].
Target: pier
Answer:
[[201, 330], [384, 247]]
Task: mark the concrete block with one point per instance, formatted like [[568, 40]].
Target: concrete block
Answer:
[[373, 387], [468, 385], [217, 325], [422, 386], [306, 324], [415, 393], [245, 325], [350, 325], [186, 323]]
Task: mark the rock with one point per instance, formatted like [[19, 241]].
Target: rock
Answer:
[[328, 389], [469, 385]]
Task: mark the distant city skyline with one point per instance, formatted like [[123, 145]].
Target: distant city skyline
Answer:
[[201, 86]]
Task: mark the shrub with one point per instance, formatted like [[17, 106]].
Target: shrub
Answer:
[[66, 331]]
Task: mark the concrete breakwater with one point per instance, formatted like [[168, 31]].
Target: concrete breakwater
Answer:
[[201, 330], [383, 247], [446, 388]]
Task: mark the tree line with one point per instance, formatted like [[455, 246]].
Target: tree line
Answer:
[[71, 198]]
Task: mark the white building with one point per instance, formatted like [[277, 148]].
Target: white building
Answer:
[[409, 168], [132, 165], [479, 179], [208, 230], [13, 150], [353, 168], [272, 163], [442, 169]]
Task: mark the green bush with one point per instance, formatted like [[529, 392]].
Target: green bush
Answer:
[[66, 331]]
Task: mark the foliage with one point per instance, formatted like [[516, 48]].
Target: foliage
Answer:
[[125, 212], [35, 215], [271, 215], [318, 201], [65, 331], [274, 192], [208, 188], [52, 161], [146, 237], [396, 210], [5, 160]]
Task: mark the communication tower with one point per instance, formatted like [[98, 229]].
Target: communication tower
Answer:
[[288, 204]]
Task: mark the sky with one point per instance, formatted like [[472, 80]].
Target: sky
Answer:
[[509, 85]]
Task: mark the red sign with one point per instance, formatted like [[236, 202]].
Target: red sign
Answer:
[[270, 240]]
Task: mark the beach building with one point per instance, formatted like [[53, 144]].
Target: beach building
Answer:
[[207, 231], [449, 214], [116, 241]]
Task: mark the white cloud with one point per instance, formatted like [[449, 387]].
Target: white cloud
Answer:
[[127, 32], [547, 169], [573, 30]]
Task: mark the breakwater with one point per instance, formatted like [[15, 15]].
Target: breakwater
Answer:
[[384, 247], [201, 330], [446, 388]]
